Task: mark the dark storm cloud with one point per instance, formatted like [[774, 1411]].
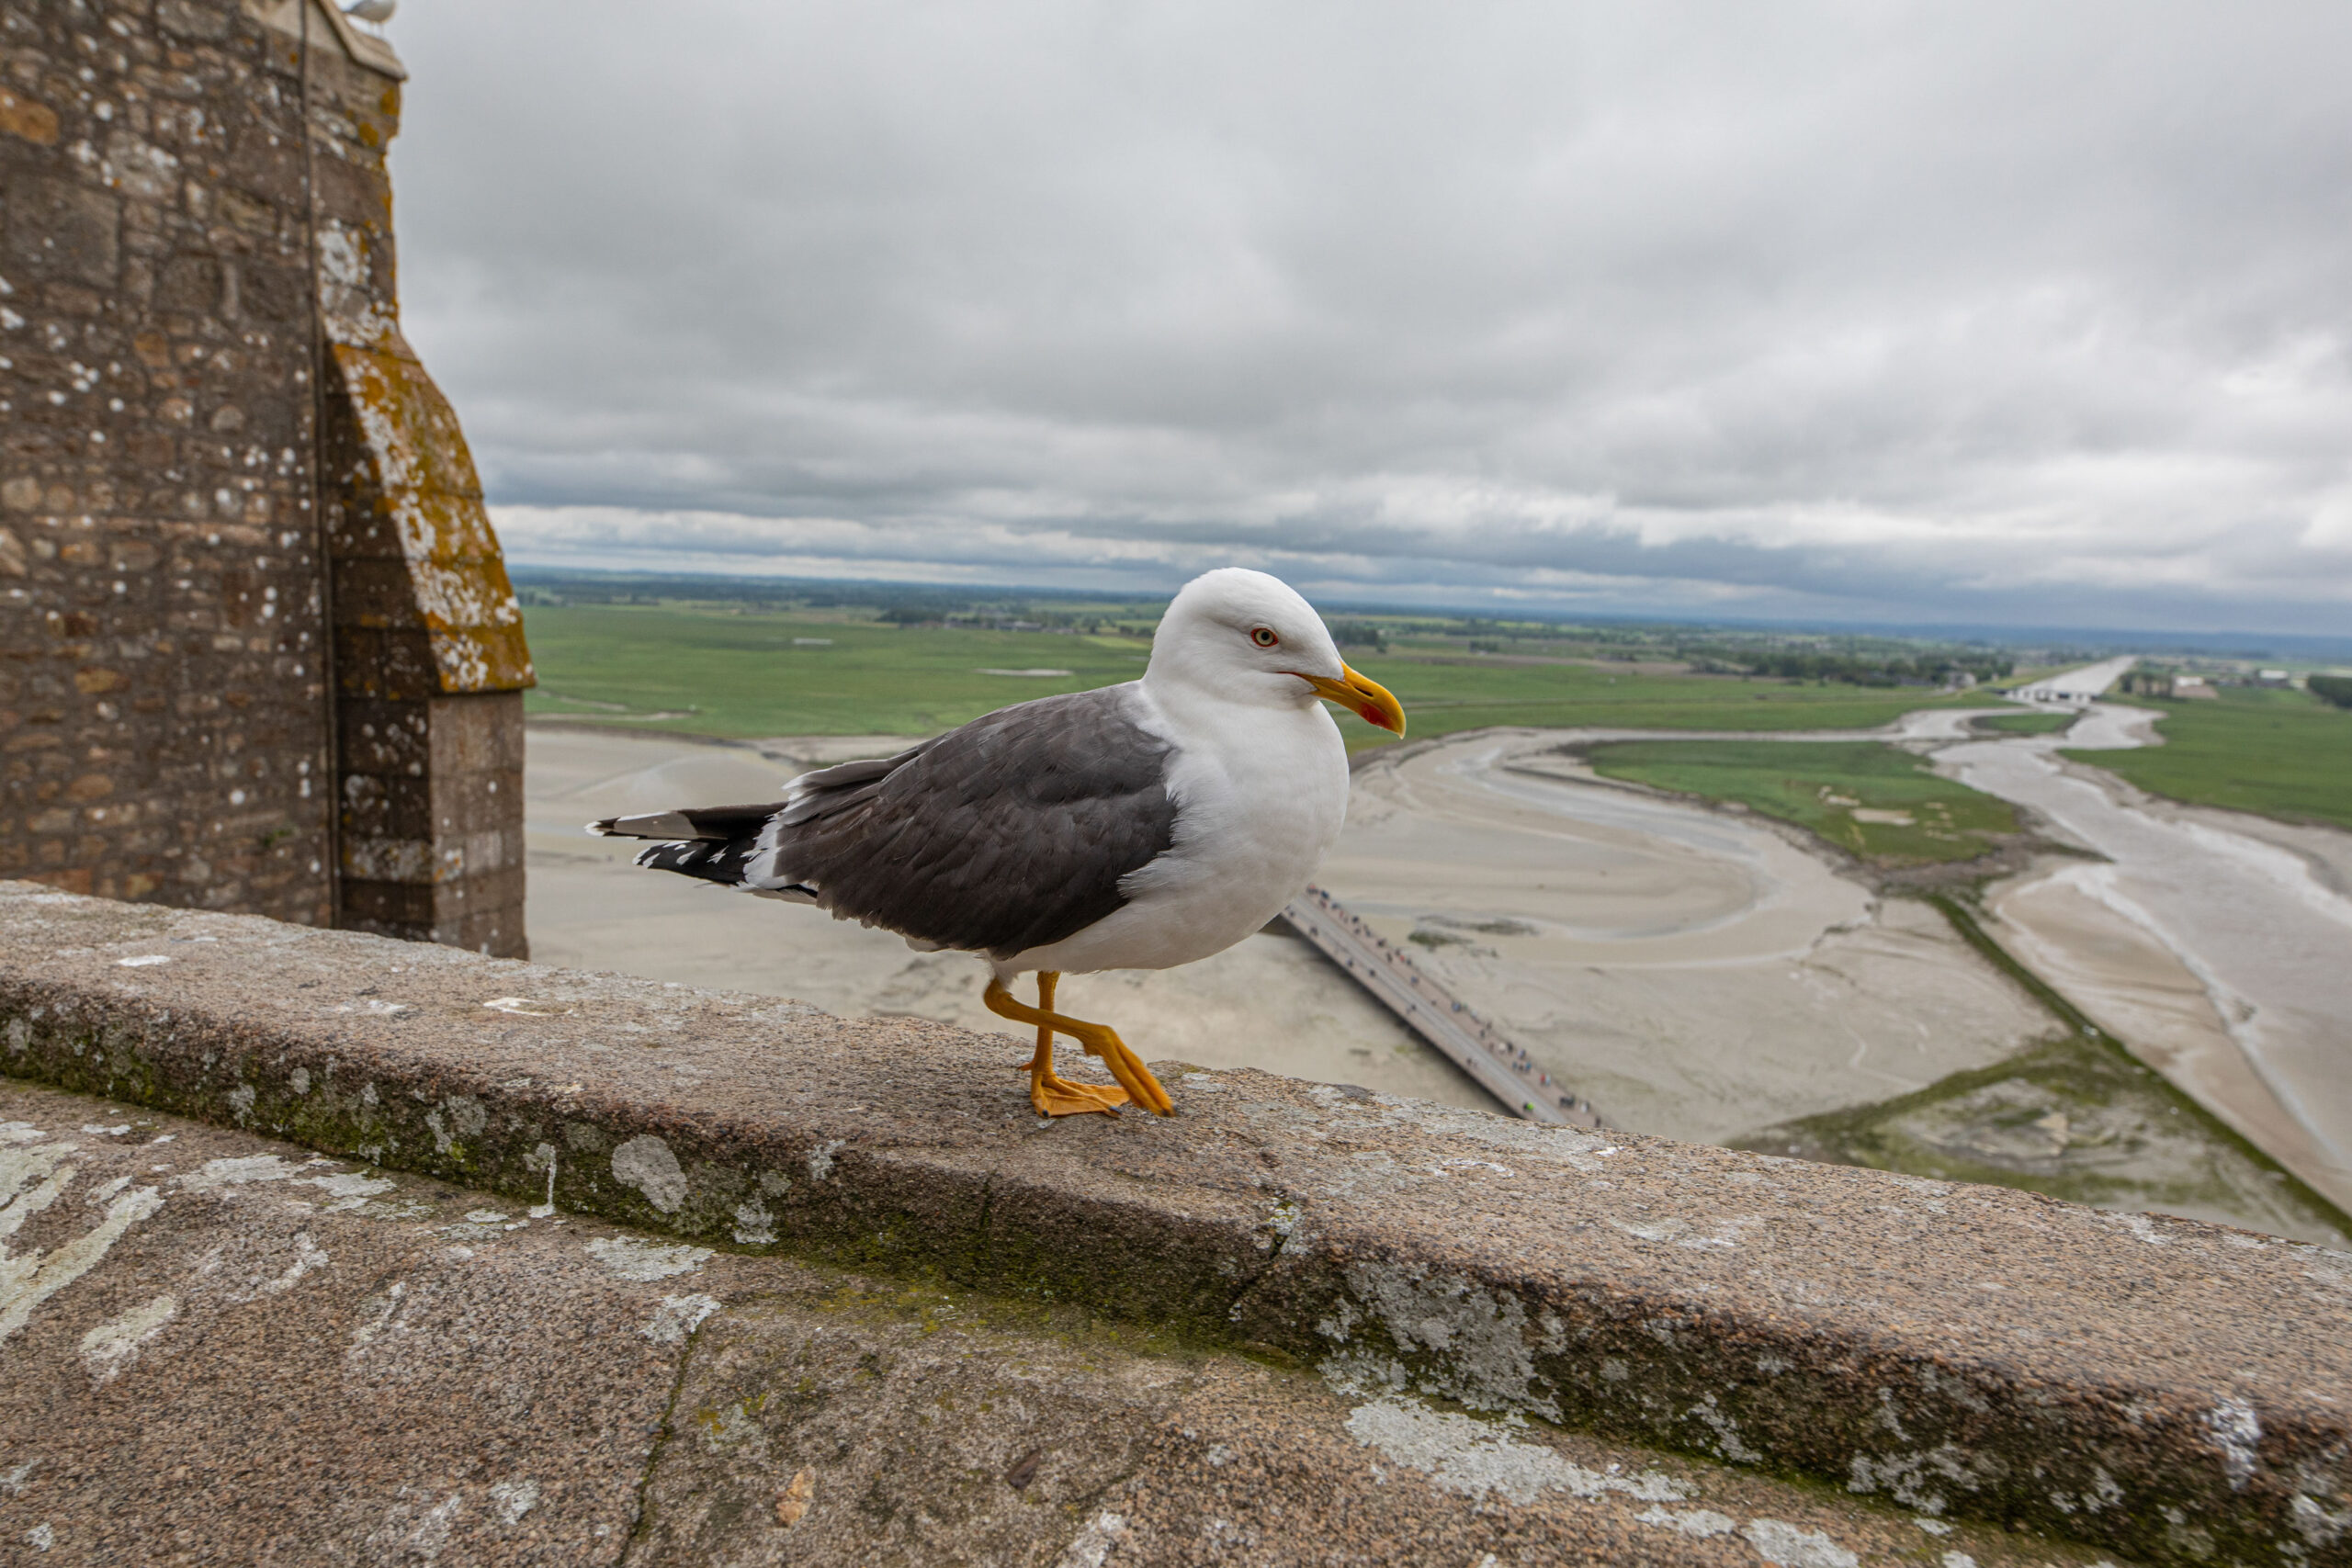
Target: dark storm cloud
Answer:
[[1983, 313]]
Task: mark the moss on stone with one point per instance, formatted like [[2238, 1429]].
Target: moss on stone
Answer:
[[2076, 1117]]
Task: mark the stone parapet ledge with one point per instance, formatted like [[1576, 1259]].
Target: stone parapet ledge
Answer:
[[2172, 1390], [451, 1382]]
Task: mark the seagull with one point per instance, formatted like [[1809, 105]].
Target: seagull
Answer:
[[1140, 826]]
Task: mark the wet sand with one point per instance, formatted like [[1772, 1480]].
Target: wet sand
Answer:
[[1271, 1002], [1692, 972], [2215, 943], [1692, 975]]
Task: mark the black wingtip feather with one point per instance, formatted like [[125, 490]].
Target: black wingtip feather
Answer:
[[712, 862]]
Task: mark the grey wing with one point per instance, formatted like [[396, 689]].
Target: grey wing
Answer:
[[1009, 833], [722, 843]]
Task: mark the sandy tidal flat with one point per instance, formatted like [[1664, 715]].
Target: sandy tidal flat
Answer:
[[1272, 1003], [1691, 973]]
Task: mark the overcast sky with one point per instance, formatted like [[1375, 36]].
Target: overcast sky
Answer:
[[1973, 312]]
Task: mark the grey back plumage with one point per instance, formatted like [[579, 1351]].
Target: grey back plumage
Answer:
[[1009, 833]]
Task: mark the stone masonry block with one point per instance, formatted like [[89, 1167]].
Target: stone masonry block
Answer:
[[497, 887], [61, 229], [374, 591], [394, 665], [403, 909], [359, 526], [377, 806], [474, 807], [187, 20], [385, 737], [478, 732]]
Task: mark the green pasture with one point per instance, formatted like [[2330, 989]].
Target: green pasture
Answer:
[[715, 672], [1442, 696], [2275, 751], [1881, 802], [705, 672], [2025, 721]]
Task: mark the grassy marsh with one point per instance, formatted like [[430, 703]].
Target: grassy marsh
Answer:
[[2275, 751], [2025, 721], [718, 671], [1877, 802], [2076, 1116]]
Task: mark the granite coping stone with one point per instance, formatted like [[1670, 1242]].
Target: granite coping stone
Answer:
[[2170, 1389], [453, 1380]]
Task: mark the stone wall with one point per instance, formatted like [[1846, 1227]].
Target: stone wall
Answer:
[[174, 263], [2155, 1387]]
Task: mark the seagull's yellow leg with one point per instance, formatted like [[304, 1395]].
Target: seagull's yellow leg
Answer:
[[1055, 1096], [1052, 1094]]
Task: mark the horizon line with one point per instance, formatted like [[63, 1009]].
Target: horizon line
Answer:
[[2309, 644]]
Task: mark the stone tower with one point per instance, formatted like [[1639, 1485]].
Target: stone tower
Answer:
[[257, 647]]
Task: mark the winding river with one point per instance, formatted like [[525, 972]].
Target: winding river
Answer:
[[2262, 931], [2219, 946], [1694, 971]]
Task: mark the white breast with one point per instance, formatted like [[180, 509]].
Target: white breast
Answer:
[[1260, 796]]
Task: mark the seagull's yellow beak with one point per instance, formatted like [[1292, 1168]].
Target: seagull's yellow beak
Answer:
[[1361, 695]]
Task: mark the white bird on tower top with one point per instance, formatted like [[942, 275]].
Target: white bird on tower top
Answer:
[[1133, 826]]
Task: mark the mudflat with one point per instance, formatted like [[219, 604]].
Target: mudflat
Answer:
[[2210, 940], [1692, 972], [1692, 975], [1271, 1002]]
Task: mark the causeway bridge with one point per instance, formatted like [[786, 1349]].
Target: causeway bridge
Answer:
[[1435, 1014]]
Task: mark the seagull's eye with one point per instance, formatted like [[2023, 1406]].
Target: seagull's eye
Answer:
[[1264, 636]]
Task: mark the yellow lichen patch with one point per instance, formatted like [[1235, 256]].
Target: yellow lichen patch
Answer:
[[432, 524], [411, 433], [23, 117], [476, 659], [424, 487]]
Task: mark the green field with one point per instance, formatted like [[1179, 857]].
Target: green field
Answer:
[[1443, 695], [740, 676], [722, 672], [1882, 804], [2277, 753], [2024, 722]]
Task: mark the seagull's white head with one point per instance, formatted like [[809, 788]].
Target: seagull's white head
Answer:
[[1242, 636]]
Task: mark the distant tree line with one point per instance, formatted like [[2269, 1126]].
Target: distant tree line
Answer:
[[1850, 658], [2335, 689], [899, 603], [1850, 669]]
